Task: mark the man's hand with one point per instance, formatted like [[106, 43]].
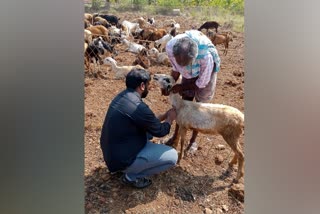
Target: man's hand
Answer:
[[171, 115]]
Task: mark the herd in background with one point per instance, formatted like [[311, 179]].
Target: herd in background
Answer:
[[145, 37]]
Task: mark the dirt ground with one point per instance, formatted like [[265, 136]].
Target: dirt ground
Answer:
[[198, 184]]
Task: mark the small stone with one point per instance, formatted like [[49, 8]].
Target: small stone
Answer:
[[225, 208], [218, 159], [208, 211], [220, 147]]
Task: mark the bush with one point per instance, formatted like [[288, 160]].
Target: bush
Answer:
[[97, 4]]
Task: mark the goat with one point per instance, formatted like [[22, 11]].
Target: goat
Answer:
[[142, 22], [161, 58], [130, 27], [92, 54], [221, 38], [209, 25], [207, 118], [112, 19], [121, 71], [101, 21], [89, 17], [151, 21], [87, 24], [99, 30], [97, 49], [87, 36], [132, 47], [161, 43], [142, 59]]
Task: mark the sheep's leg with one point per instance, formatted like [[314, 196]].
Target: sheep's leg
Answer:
[[234, 144], [182, 134], [193, 139], [172, 140]]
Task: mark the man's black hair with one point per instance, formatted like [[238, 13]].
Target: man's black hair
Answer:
[[136, 76]]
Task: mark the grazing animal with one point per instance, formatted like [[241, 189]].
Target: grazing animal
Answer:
[[151, 21], [130, 27], [209, 25], [92, 54], [101, 21], [142, 59], [132, 47], [161, 43], [89, 17], [87, 36], [99, 30], [221, 38], [121, 71], [87, 24], [96, 50], [206, 118], [160, 58], [112, 19]]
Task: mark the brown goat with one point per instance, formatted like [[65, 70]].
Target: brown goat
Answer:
[[221, 38], [99, 30], [89, 17], [142, 59]]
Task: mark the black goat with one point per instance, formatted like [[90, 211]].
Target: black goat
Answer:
[[112, 19], [208, 25], [96, 49]]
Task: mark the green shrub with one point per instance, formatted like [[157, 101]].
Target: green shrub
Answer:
[[97, 4]]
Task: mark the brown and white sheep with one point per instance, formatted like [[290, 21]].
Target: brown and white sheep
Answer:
[[206, 118]]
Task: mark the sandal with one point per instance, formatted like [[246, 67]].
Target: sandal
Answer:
[[138, 183]]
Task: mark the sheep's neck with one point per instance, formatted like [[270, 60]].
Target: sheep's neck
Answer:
[[176, 100], [114, 66]]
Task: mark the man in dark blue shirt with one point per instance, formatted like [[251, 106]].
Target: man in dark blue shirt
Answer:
[[125, 138]]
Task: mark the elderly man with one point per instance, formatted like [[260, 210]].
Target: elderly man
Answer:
[[193, 56]]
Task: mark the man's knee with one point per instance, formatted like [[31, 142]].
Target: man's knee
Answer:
[[172, 156]]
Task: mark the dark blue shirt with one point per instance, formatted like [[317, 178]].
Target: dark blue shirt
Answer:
[[125, 128]]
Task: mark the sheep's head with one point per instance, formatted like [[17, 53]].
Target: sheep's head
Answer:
[[153, 51], [165, 81], [109, 61]]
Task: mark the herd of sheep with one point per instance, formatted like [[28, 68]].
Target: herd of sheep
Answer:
[[145, 37]]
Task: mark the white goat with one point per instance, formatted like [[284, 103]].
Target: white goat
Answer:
[[161, 58], [161, 43], [206, 118], [130, 27], [132, 46], [121, 71]]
